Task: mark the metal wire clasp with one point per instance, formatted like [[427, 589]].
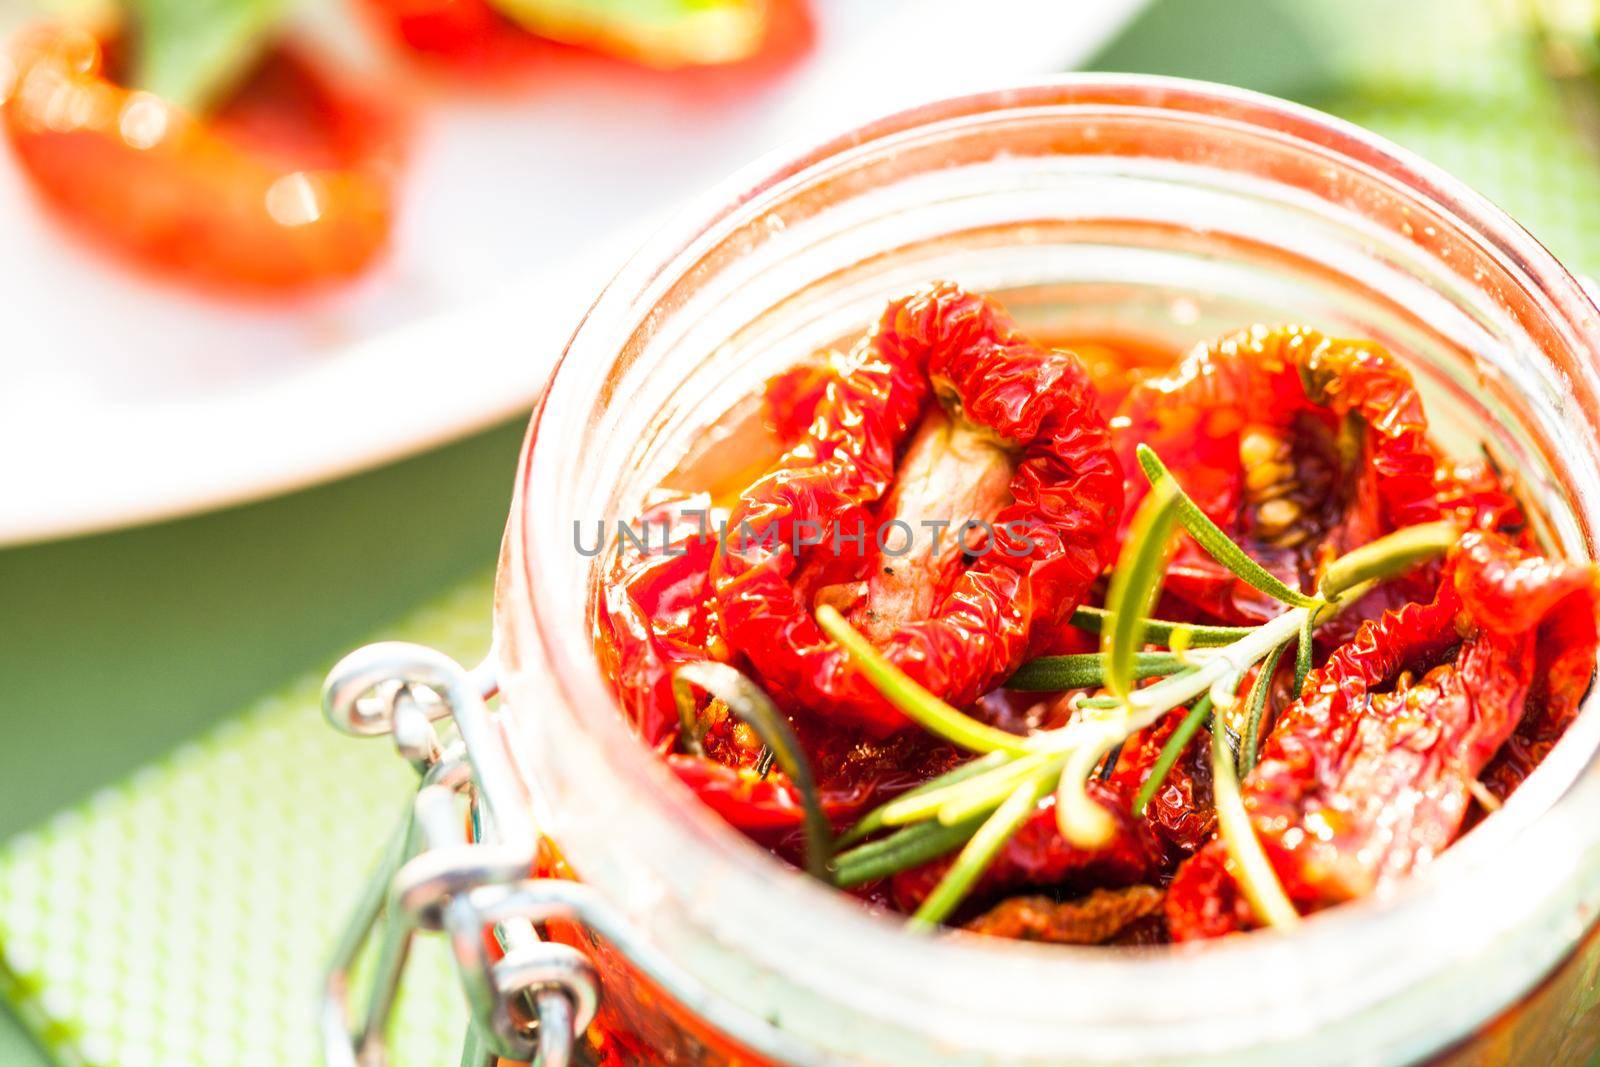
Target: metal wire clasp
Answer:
[[532, 1002]]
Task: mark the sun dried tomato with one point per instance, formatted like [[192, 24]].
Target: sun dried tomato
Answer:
[[1181, 809], [1358, 786], [1047, 544], [288, 186], [475, 41], [469, 36], [656, 614], [754, 802], [1301, 447], [789, 399], [1094, 919]]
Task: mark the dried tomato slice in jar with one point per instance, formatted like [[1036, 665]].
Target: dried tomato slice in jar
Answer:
[[1300, 447], [1014, 443], [289, 185], [655, 616]]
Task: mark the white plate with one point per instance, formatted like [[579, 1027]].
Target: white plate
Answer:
[[124, 402]]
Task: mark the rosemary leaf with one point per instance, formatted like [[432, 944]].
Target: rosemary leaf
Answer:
[[1163, 632], [1303, 654], [1252, 869], [1167, 758], [978, 853], [874, 820], [978, 794], [915, 702], [900, 851], [1135, 584], [746, 700], [1389, 555], [1216, 543], [1083, 670], [1259, 692], [978, 797]]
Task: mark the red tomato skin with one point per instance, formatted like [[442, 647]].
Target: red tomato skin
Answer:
[[288, 188]]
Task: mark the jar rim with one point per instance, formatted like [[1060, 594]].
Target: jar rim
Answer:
[[1462, 882]]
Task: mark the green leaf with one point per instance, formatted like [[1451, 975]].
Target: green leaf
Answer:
[[1255, 707], [1304, 652], [1136, 582], [1082, 670], [1162, 632], [1389, 555], [907, 848], [1218, 544], [978, 853], [747, 700], [1251, 868], [913, 701], [1177, 741], [986, 792], [193, 53], [876, 819]]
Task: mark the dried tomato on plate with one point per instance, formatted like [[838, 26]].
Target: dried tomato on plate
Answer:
[[496, 40], [288, 185]]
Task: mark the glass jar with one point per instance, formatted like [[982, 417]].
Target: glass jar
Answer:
[[1116, 206]]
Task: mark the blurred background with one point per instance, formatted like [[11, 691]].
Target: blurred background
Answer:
[[279, 283]]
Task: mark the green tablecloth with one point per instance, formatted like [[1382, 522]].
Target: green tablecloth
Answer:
[[177, 907], [117, 650]]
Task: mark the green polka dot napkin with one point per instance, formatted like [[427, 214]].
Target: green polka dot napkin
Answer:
[[184, 916]]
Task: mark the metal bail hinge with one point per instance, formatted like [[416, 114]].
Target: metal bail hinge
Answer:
[[531, 1003]]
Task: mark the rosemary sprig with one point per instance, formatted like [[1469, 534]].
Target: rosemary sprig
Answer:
[[875, 819], [958, 800], [909, 847], [1080, 818], [748, 701], [1252, 870], [978, 853], [1086, 670], [1162, 632], [1305, 650], [1255, 708], [1388, 555], [983, 802], [1136, 582], [1216, 543]]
